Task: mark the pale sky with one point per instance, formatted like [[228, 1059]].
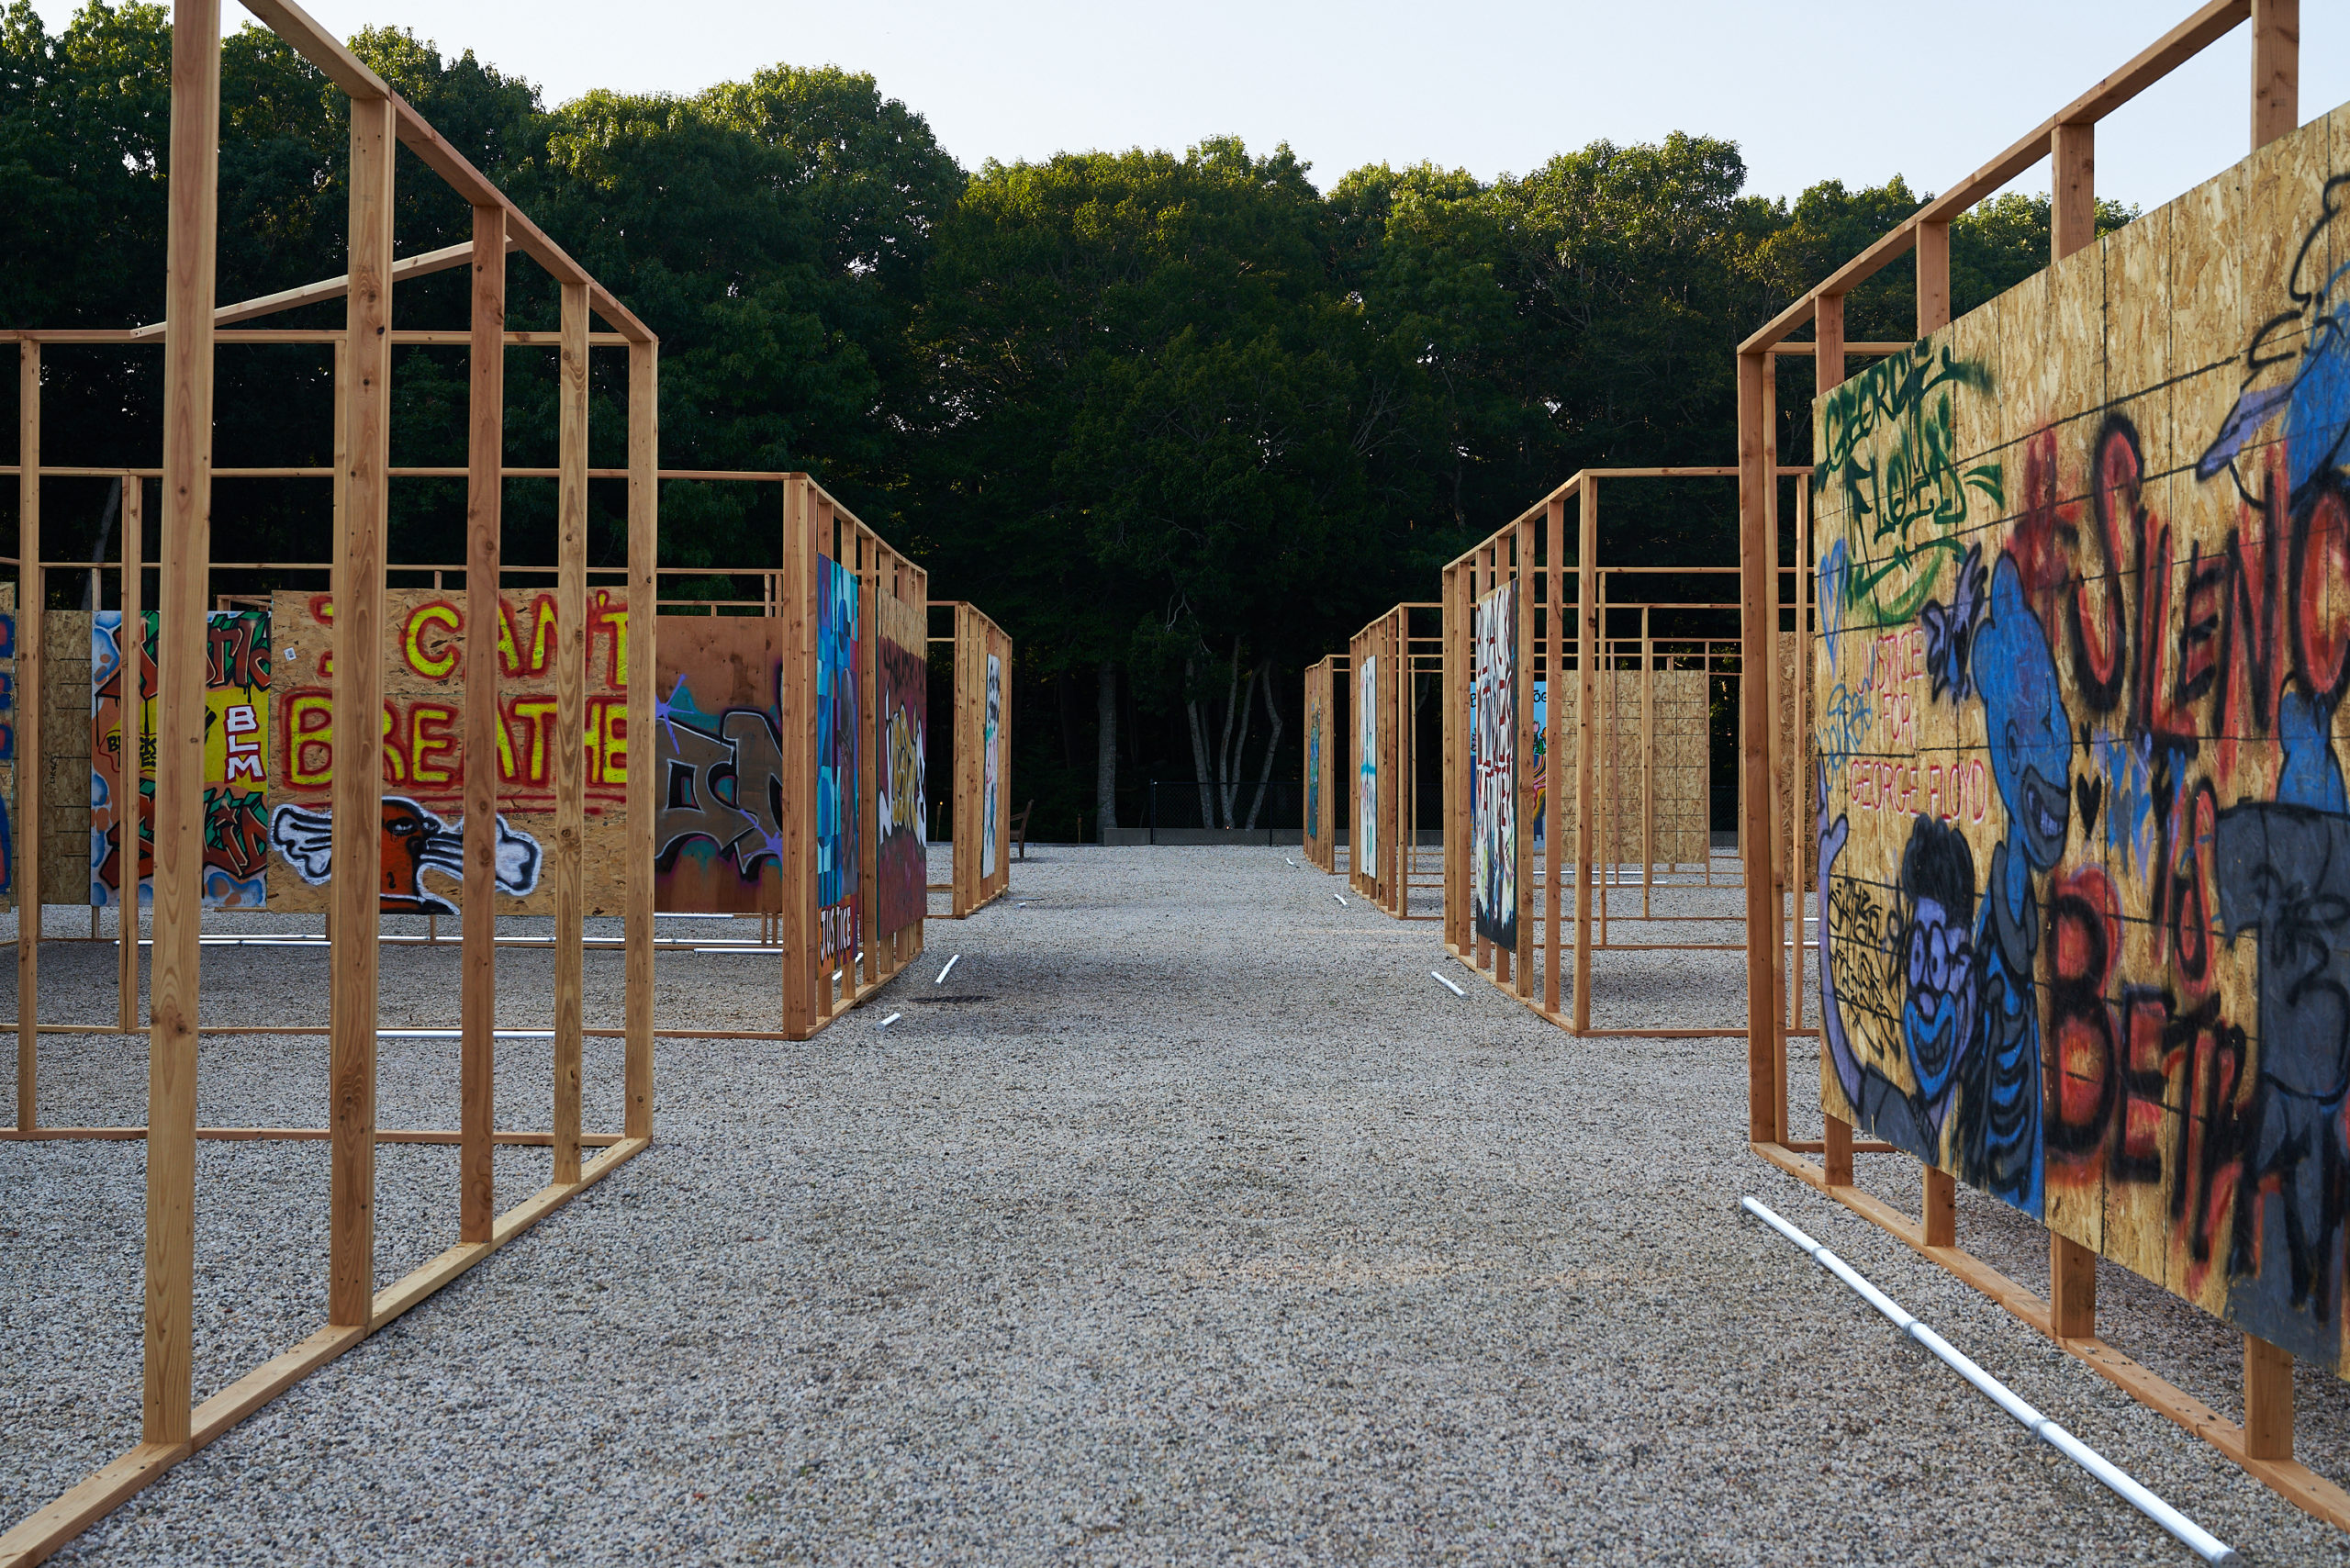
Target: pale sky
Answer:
[[1828, 88]]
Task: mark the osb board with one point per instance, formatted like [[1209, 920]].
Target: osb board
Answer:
[[1681, 763], [718, 747], [65, 758], [1318, 770], [2084, 570], [425, 640]]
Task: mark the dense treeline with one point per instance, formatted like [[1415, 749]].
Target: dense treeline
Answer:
[[1181, 422]]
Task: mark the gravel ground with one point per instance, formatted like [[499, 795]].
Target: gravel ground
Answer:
[[1190, 1219]]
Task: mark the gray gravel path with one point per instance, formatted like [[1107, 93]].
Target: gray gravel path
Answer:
[[1190, 1220]]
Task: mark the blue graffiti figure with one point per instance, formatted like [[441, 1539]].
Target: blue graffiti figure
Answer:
[[2031, 763], [2313, 339]]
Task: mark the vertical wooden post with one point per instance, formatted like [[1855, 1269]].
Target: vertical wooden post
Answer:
[[1586, 702], [1554, 698], [1522, 745], [2072, 218], [194, 192], [359, 696], [2071, 1289], [1800, 875], [128, 805], [865, 967], [798, 692], [1933, 278], [1941, 1221], [571, 722], [644, 624], [1836, 1152], [2276, 70], [485, 515], [2268, 1400], [1648, 763], [1755, 564], [1773, 691], [32, 593]]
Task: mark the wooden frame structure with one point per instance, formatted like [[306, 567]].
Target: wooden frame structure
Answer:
[[1533, 551], [2262, 1444], [1386, 873], [816, 987], [1321, 771], [173, 1424], [982, 740]]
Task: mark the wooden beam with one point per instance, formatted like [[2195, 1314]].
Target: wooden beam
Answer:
[[32, 591], [1586, 704], [2142, 71], [1756, 566], [2071, 1288], [443, 260], [321, 48], [354, 897], [798, 930], [1940, 1225], [2268, 1399], [571, 718], [2276, 70], [643, 623], [1554, 839], [1933, 285], [484, 524], [127, 767], [2072, 218], [1836, 1153], [179, 722]]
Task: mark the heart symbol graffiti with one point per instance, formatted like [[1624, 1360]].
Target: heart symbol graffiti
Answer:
[[2090, 792]]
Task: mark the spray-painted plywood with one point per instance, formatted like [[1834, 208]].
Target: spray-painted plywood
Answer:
[[2084, 584]]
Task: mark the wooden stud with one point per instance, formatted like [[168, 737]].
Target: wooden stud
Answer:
[[1755, 564], [2071, 1288], [571, 721], [194, 192], [1586, 701], [2071, 219], [1933, 279], [129, 804], [484, 515], [866, 966], [2268, 1400], [1648, 763], [1522, 743], [644, 594], [1939, 1226], [32, 593], [2276, 70], [1836, 1153], [358, 688], [1555, 547]]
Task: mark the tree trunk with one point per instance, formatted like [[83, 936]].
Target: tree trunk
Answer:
[[1272, 712], [1199, 748], [1224, 768], [1105, 750]]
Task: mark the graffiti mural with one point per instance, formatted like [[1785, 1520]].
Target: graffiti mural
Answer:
[[1367, 764], [2083, 834], [839, 756], [1314, 768], [901, 858], [415, 841], [236, 758], [718, 843], [991, 750], [1493, 784], [426, 642]]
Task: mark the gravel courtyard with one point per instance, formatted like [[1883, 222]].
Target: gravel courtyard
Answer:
[[1189, 1220]]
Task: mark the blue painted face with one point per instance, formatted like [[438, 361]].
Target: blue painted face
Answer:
[[2032, 750], [1938, 1003]]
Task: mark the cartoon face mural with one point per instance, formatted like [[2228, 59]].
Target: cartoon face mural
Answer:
[[2084, 840], [414, 841]]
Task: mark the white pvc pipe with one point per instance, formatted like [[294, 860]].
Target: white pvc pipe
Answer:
[[1341, 900], [1446, 983], [2194, 1537], [890, 1020], [950, 964]]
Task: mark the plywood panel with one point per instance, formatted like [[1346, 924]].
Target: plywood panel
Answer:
[[2084, 560], [425, 640], [718, 751]]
